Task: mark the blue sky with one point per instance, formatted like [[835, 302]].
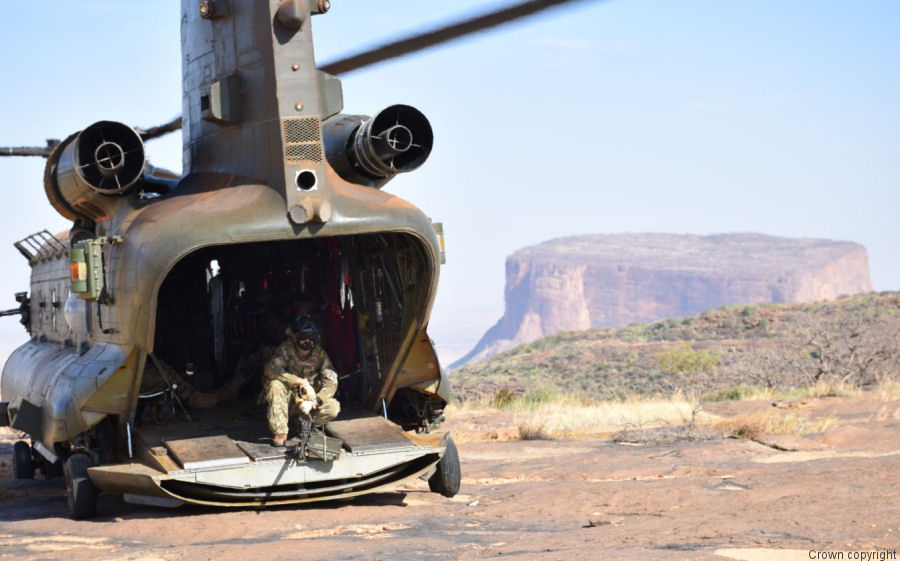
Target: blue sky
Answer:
[[620, 116]]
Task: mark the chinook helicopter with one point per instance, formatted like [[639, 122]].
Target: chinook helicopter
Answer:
[[191, 280]]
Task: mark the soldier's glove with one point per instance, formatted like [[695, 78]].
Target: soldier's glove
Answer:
[[307, 406], [306, 390]]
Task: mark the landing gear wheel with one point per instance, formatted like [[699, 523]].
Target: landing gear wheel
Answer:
[[23, 464], [445, 480], [80, 491]]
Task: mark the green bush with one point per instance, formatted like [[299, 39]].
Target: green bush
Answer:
[[683, 359], [541, 394], [503, 398], [734, 393]]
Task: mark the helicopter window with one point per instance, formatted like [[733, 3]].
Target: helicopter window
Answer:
[[54, 304], [306, 179], [41, 305]]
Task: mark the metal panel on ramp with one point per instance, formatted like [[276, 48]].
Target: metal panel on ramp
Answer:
[[369, 433], [206, 452]]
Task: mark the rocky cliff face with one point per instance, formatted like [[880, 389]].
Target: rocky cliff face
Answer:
[[584, 282]]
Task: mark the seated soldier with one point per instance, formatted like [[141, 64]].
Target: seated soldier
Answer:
[[299, 367]]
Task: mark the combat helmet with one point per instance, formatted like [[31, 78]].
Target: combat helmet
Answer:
[[303, 327]]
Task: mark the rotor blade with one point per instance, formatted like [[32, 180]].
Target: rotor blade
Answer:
[[42, 151], [156, 132], [435, 37], [399, 48]]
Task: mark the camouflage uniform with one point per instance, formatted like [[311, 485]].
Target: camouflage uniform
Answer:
[[281, 373]]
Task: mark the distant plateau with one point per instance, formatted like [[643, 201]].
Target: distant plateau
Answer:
[[610, 280]]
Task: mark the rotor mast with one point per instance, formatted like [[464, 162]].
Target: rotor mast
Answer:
[[253, 100]]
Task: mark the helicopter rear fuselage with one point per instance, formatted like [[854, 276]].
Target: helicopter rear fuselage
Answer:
[[163, 296], [170, 286]]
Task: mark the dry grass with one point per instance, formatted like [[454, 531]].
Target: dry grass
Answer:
[[567, 420], [742, 392], [839, 388], [888, 389], [571, 417], [559, 416], [821, 388], [775, 421]]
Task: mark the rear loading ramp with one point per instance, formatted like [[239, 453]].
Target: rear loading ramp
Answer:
[[206, 441], [225, 469]]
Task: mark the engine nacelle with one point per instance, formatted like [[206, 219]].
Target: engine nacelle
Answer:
[[372, 150], [104, 160]]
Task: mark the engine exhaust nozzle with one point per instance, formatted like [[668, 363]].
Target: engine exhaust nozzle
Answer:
[[109, 157], [106, 158], [396, 140]]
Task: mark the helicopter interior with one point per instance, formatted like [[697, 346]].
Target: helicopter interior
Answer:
[[223, 310]]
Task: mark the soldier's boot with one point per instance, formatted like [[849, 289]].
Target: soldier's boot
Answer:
[[278, 440]]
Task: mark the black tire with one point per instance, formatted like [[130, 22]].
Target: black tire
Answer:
[[23, 463], [446, 479], [80, 491]]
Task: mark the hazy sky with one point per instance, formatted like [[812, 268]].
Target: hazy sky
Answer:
[[603, 117]]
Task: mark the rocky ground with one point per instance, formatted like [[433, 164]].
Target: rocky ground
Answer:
[[713, 499]]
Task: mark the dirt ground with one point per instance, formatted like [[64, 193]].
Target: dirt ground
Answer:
[[828, 496]]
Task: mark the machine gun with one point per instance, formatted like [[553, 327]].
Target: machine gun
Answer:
[[311, 440], [24, 309], [305, 422], [304, 392]]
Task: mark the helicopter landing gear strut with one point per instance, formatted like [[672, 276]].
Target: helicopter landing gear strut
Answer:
[[446, 479], [81, 493]]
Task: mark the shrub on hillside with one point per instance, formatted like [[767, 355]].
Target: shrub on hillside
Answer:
[[683, 359], [503, 398]]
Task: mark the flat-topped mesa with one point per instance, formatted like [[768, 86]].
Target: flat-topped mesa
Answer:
[[592, 281]]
